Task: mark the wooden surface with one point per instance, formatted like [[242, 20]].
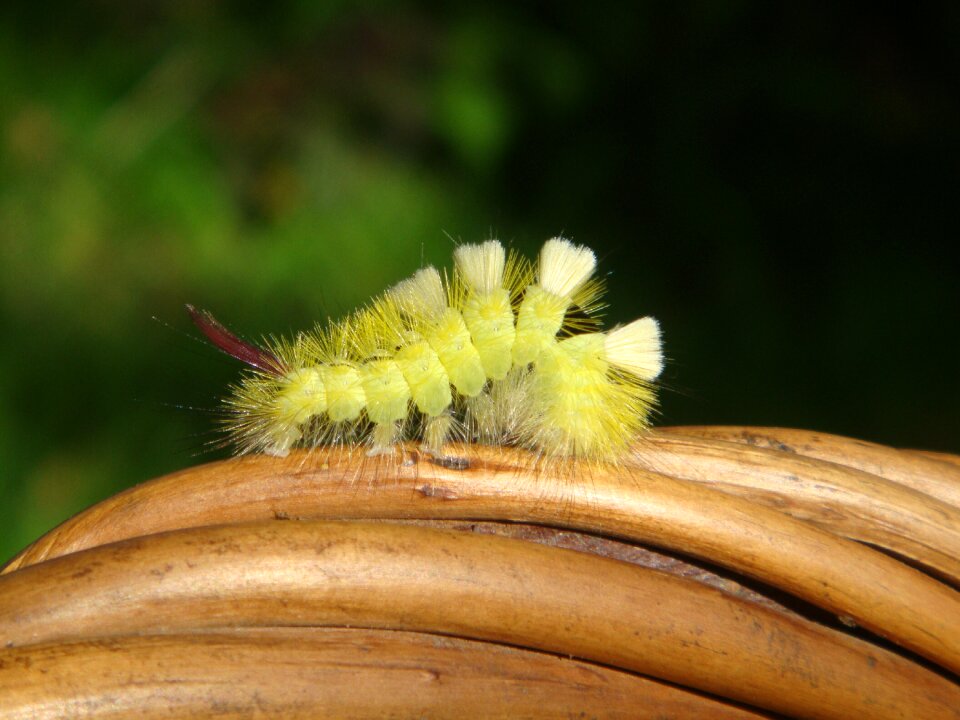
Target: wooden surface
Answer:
[[738, 574], [325, 672], [840, 498]]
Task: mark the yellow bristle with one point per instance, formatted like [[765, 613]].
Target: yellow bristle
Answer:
[[589, 303], [377, 330], [421, 296], [565, 267], [636, 348], [481, 266], [268, 420]]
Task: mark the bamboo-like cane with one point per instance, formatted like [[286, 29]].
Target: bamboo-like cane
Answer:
[[484, 587], [940, 458], [935, 474], [306, 673], [845, 500], [775, 505], [843, 577]]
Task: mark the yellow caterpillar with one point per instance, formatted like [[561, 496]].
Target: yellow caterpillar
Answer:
[[499, 352]]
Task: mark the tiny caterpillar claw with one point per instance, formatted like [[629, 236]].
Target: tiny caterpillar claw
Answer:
[[499, 352]]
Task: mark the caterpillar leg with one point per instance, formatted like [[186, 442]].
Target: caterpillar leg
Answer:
[[436, 432], [481, 419], [383, 439], [492, 417], [280, 443]]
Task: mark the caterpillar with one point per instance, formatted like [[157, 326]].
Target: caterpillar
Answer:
[[500, 351]]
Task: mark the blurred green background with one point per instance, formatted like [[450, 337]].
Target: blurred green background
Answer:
[[776, 182]]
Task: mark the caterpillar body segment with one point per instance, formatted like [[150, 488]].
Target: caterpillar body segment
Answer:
[[498, 352]]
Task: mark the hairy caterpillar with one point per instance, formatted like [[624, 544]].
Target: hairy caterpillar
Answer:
[[499, 352]]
